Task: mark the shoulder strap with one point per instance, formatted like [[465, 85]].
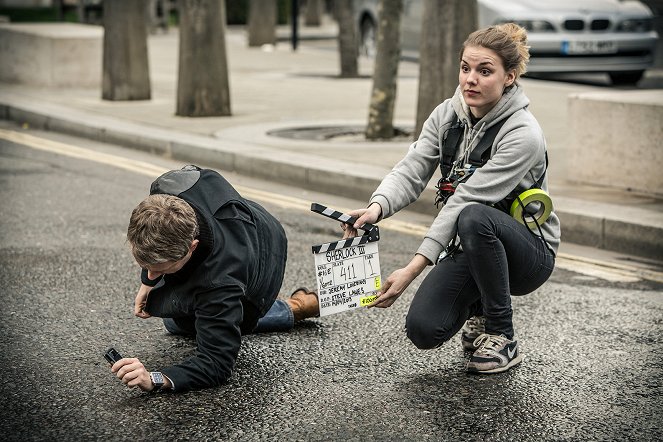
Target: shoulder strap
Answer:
[[481, 154], [539, 182], [450, 142]]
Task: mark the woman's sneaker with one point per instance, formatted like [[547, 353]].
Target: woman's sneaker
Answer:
[[495, 354], [473, 328]]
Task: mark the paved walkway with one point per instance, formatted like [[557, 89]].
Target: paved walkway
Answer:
[[275, 89]]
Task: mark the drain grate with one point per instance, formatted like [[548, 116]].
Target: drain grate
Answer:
[[324, 133]]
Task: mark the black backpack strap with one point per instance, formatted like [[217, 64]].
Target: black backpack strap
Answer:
[[451, 139], [481, 154], [539, 183]]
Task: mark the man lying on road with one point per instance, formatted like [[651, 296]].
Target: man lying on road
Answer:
[[213, 264]]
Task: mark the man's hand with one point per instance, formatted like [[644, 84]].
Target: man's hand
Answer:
[[141, 300], [132, 372], [370, 215]]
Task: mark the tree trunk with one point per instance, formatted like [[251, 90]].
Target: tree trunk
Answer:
[[468, 20], [125, 66], [203, 87], [439, 52], [262, 22], [347, 42], [385, 75], [80, 11], [314, 12]]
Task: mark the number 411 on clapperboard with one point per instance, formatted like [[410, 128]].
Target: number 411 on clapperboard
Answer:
[[347, 271]]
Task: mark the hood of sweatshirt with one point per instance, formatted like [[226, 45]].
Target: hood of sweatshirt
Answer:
[[512, 100]]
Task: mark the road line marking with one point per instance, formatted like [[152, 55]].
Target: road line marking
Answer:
[[595, 271], [153, 171], [571, 262], [588, 266], [81, 153]]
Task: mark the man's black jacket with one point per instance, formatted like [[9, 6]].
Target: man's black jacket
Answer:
[[237, 266]]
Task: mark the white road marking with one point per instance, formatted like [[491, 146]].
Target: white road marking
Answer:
[[595, 268], [595, 271]]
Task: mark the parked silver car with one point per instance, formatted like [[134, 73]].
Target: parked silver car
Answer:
[[610, 36]]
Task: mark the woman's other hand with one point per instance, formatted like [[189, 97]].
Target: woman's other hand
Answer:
[[398, 281]]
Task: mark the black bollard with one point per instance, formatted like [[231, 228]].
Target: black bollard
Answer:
[[295, 14]]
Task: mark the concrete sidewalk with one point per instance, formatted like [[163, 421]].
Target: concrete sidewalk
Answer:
[[276, 90]]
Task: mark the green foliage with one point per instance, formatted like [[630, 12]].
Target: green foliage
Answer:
[[17, 15], [237, 11], [284, 11]]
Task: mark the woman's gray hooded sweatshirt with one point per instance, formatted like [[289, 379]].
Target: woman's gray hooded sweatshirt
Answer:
[[517, 161]]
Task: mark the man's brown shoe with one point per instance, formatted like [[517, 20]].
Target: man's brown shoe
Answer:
[[304, 304]]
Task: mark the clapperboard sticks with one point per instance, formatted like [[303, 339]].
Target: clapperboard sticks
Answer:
[[347, 271], [371, 231]]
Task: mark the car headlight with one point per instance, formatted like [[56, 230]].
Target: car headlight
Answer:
[[532, 25], [635, 25]]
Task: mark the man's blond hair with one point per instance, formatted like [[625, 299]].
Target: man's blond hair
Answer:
[[161, 229]]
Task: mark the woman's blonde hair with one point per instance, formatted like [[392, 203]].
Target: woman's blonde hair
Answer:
[[508, 41], [161, 229]]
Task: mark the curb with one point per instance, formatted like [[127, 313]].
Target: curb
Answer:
[[597, 227]]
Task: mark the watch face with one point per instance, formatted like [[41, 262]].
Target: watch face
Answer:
[[157, 378]]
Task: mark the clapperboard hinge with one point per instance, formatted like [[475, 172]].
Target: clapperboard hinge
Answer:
[[371, 231]]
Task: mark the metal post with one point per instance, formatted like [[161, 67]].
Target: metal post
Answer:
[[295, 14]]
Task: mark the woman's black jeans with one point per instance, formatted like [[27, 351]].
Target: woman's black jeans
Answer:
[[500, 258]]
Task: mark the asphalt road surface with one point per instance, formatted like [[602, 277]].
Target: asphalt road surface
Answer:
[[593, 348]]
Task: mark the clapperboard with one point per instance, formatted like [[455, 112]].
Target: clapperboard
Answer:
[[347, 271]]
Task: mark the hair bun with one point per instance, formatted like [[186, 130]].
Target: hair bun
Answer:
[[517, 33]]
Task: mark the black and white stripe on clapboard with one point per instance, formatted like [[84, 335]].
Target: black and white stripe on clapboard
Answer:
[[371, 231], [331, 213], [342, 244]]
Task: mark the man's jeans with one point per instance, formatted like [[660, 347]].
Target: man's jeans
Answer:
[[500, 258], [278, 318]]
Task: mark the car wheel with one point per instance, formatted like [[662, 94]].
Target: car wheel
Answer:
[[623, 78], [367, 44]]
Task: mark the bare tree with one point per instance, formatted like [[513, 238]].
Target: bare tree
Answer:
[[262, 22], [125, 66], [385, 74], [313, 12], [445, 25], [347, 41], [202, 88]]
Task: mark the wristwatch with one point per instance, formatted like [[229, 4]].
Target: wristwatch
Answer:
[[157, 380]]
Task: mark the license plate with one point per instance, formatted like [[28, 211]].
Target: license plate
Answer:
[[588, 47]]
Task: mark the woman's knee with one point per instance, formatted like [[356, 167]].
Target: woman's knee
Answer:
[[471, 218], [475, 226], [423, 333]]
